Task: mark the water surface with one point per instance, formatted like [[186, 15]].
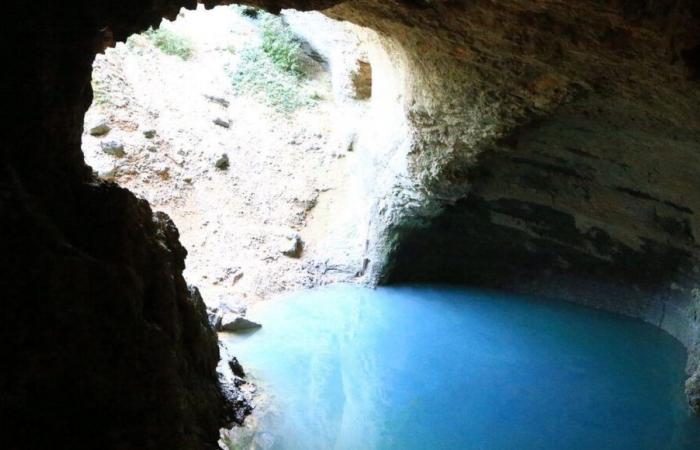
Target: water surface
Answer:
[[448, 368]]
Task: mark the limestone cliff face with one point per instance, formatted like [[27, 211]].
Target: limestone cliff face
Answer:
[[554, 143], [554, 150]]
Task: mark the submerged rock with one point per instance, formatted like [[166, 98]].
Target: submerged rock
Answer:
[[692, 390]]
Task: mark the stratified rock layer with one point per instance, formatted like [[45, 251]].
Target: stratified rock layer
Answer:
[[549, 142]]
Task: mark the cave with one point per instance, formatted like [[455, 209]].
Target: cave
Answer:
[[534, 148]]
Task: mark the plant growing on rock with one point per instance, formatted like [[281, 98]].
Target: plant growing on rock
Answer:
[[100, 96], [171, 43], [257, 74], [275, 68], [281, 45]]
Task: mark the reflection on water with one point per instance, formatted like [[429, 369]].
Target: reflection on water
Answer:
[[444, 368]]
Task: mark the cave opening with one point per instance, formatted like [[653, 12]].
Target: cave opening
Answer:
[[245, 128]]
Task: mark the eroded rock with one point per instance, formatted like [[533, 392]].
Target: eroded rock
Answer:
[[99, 128], [293, 246], [114, 148], [692, 390], [222, 163], [222, 122], [233, 323]]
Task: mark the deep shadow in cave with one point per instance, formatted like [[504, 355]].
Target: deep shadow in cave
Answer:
[[568, 135]]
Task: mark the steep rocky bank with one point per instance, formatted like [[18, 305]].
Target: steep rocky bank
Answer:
[[560, 137], [289, 152]]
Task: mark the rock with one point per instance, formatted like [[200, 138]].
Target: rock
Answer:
[[149, 134], [692, 390], [218, 100], [220, 121], [114, 148], [229, 370], [233, 323], [229, 307], [222, 163], [215, 316], [294, 246], [499, 96], [250, 12], [236, 367], [361, 80], [109, 174], [100, 128]]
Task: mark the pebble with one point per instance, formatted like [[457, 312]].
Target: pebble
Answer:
[[220, 121]]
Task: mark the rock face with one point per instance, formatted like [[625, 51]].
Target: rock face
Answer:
[[549, 142]]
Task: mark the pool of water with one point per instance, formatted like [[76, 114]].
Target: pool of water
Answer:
[[448, 368]]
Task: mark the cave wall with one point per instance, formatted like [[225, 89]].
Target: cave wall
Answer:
[[554, 151], [561, 137]]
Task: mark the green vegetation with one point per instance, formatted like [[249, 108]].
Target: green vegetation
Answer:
[[275, 69], [171, 43], [280, 44], [99, 94], [257, 74]]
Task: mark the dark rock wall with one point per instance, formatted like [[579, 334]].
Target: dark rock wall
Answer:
[[556, 152], [107, 346], [557, 137], [104, 345]]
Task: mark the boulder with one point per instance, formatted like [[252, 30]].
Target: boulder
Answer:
[[114, 148], [99, 128], [293, 246], [236, 367], [222, 163], [230, 307], [232, 322], [214, 315]]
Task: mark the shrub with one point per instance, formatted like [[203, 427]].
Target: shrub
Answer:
[[280, 44], [257, 74], [171, 43]]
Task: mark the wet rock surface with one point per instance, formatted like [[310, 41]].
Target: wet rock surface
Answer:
[[566, 132]]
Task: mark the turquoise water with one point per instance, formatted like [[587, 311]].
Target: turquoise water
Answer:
[[446, 368]]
